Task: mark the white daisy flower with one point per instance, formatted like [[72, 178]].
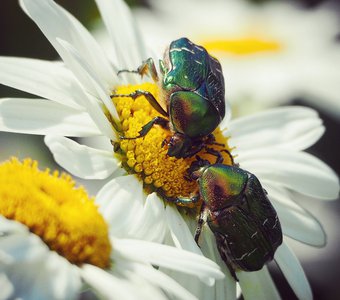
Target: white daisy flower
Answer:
[[78, 104], [270, 53], [54, 243]]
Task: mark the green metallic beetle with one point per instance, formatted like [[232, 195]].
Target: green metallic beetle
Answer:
[[238, 212], [192, 86]]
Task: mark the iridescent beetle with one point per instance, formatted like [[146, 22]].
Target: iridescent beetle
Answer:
[[192, 85], [238, 212]]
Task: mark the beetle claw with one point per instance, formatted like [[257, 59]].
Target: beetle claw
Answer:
[[165, 142], [122, 137]]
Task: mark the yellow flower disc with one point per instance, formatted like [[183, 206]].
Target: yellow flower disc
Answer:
[[50, 205], [145, 156]]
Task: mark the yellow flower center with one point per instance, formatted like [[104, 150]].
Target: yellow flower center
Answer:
[[242, 46], [145, 156], [63, 216]]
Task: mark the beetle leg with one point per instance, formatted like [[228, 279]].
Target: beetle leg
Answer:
[[231, 157], [155, 121], [186, 200], [232, 271], [153, 102], [146, 68], [199, 145], [219, 157], [127, 71], [200, 223], [217, 144], [151, 99], [162, 67], [147, 127], [210, 140], [165, 142], [194, 150]]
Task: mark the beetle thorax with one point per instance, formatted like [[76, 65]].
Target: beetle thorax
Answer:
[[219, 189]]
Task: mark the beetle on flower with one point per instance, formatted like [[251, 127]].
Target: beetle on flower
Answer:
[[192, 87], [238, 212], [236, 204]]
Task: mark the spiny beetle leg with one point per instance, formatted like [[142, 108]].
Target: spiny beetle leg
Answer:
[[146, 68], [212, 141], [217, 144], [194, 150], [151, 99], [147, 127], [232, 271], [187, 200], [219, 157], [165, 142], [200, 224], [231, 157], [155, 121], [127, 71]]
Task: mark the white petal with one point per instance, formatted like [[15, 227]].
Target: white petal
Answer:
[[284, 127], [181, 235], [158, 278], [298, 171], [192, 284], [45, 79], [92, 100], [150, 225], [257, 285], [127, 269], [296, 222], [80, 160], [6, 287], [88, 78], [17, 245], [62, 278], [292, 270], [107, 285], [8, 227], [226, 288], [180, 232], [168, 257], [122, 194], [55, 22], [38, 116], [130, 50], [35, 271], [222, 288], [225, 124]]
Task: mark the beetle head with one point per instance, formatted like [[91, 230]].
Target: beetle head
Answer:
[[179, 145], [197, 167]]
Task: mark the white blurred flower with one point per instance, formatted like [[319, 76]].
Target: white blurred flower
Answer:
[[270, 53], [269, 145]]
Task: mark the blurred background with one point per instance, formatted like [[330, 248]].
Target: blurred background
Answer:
[[273, 52]]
